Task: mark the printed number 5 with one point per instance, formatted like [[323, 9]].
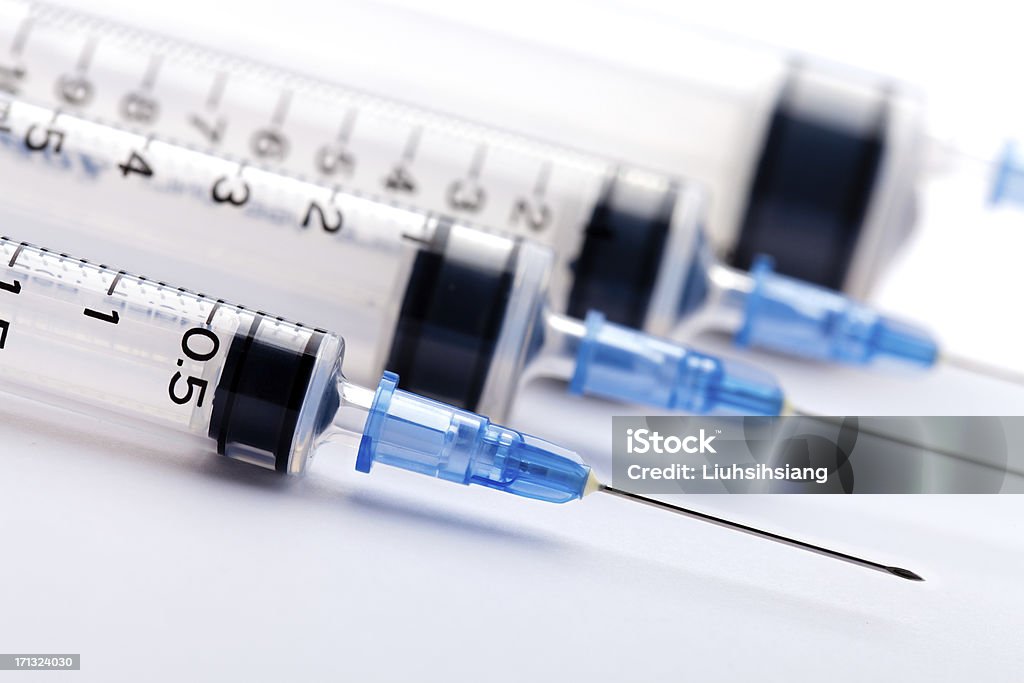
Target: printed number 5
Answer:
[[193, 383]]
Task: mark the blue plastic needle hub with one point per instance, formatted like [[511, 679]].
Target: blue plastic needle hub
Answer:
[[422, 435], [798, 318], [621, 363]]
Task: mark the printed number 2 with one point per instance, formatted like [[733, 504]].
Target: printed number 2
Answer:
[[332, 224]]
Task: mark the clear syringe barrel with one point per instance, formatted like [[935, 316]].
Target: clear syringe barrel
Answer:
[[460, 313], [105, 342], [253, 387], [619, 233], [745, 123]]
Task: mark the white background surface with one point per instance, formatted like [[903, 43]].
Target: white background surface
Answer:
[[162, 565]]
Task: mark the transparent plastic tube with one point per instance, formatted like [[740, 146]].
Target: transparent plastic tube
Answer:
[[256, 388], [706, 110], [618, 237], [461, 314]]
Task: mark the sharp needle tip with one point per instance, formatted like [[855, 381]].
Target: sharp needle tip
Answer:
[[904, 574]]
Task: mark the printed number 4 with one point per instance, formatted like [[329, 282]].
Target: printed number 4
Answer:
[[135, 164]]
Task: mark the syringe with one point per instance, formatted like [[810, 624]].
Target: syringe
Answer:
[[459, 313], [629, 242], [742, 122], [266, 391]]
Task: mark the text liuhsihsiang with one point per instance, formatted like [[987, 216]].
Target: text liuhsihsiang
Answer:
[[760, 471]]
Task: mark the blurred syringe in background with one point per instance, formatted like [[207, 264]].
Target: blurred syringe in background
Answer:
[[461, 314], [630, 243], [836, 171]]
